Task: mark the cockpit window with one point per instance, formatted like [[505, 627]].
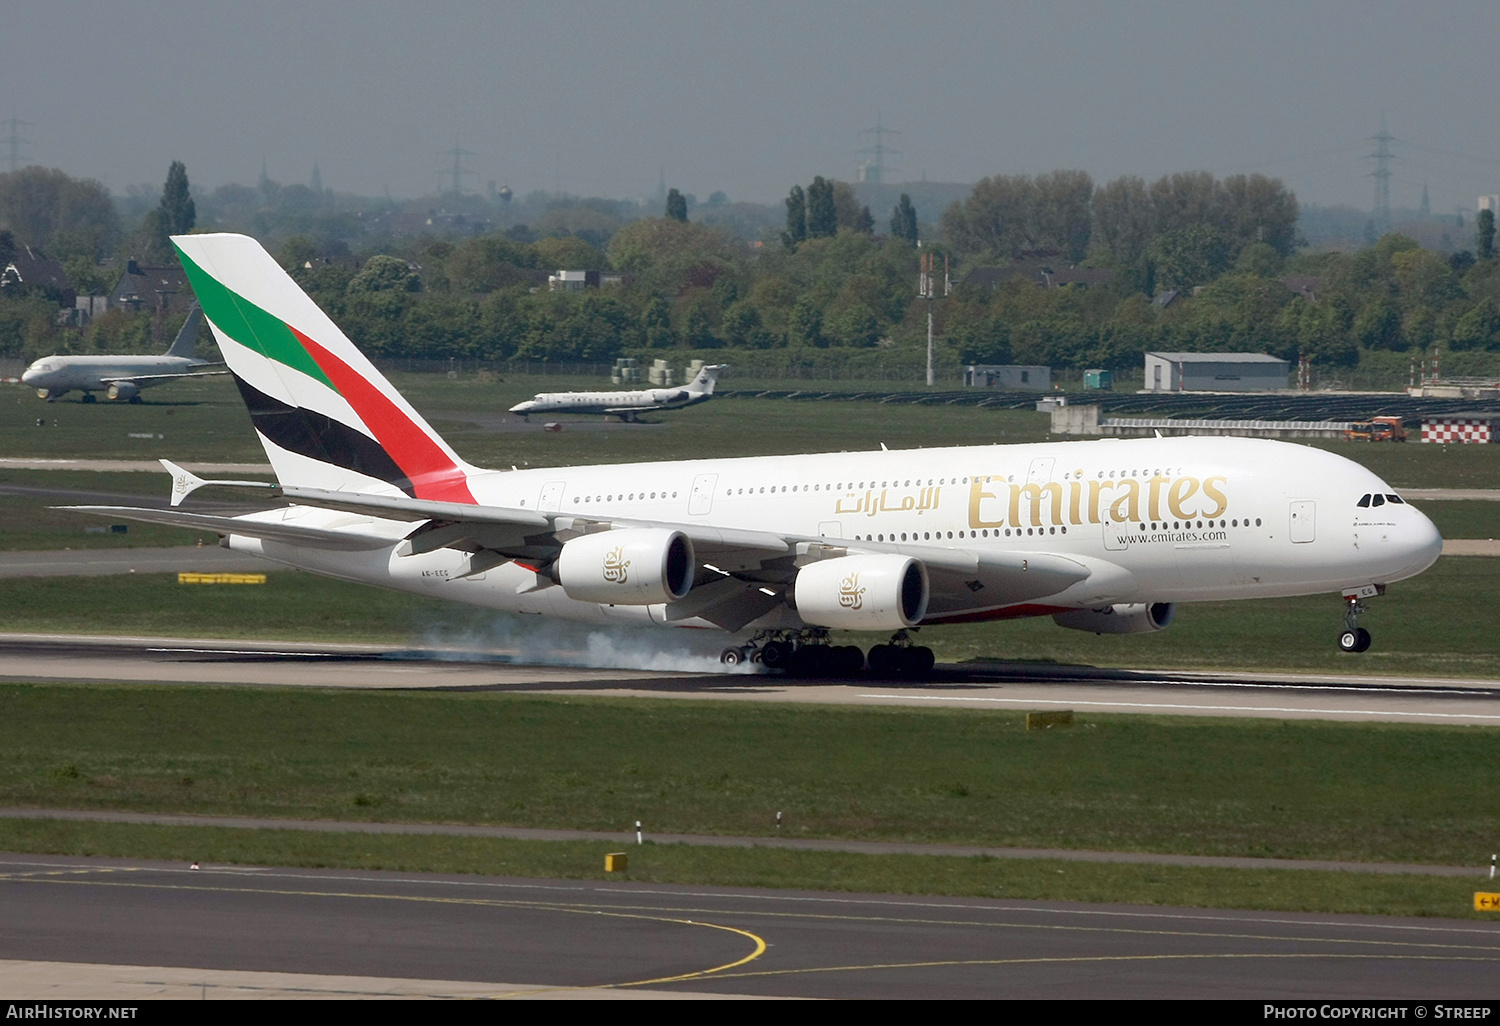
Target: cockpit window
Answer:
[[1396, 499], [1377, 499], [1364, 500]]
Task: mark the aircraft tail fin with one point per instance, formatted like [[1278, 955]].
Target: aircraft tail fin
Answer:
[[187, 339], [703, 384], [326, 417]]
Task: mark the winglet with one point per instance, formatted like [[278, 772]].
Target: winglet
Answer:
[[184, 482]]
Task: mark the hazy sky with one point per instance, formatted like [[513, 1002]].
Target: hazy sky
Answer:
[[752, 96]]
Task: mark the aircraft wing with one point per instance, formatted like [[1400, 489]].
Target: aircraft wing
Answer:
[[143, 379], [742, 573], [343, 539]]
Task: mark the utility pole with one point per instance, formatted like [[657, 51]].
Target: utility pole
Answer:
[[927, 289], [1382, 175], [458, 171], [874, 170], [14, 140]]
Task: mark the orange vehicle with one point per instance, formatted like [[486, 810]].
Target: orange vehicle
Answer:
[[1376, 429]]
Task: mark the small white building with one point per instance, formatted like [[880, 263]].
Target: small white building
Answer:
[[1215, 372], [1008, 377], [577, 281]]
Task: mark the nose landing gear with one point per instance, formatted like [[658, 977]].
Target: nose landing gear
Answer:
[[1354, 638]]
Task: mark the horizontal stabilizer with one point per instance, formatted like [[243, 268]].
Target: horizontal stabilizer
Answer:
[[316, 537], [414, 509]]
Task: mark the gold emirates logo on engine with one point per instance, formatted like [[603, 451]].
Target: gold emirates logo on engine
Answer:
[[851, 595], [616, 566]]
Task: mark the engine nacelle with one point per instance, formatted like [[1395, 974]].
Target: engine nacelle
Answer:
[[1131, 618], [628, 567], [876, 592], [122, 390]]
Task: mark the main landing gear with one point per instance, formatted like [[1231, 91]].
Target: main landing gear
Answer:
[[1353, 638], [808, 653]]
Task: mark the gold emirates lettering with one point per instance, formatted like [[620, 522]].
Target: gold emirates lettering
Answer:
[[1076, 502], [995, 503]]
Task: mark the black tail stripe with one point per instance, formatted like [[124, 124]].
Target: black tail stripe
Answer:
[[321, 438]]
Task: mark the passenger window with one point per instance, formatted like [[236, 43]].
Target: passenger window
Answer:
[[1364, 500]]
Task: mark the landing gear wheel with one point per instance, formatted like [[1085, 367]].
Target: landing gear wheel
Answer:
[[90, 397], [776, 655], [1355, 639], [917, 661], [848, 660], [733, 656], [812, 661], [885, 660]]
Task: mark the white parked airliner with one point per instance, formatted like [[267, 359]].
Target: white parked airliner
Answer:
[[624, 405], [1104, 536], [120, 376]]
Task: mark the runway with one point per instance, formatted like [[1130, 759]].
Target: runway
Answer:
[[127, 929], [1013, 686]]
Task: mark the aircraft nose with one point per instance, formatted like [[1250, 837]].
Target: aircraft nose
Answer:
[[1422, 542], [28, 375]]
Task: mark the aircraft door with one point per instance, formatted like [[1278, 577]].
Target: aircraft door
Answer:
[[1302, 526], [1041, 470], [550, 501], [702, 498]]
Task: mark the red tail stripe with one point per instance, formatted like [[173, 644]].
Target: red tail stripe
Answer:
[[432, 473]]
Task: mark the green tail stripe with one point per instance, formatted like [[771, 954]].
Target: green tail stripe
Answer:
[[248, 324]]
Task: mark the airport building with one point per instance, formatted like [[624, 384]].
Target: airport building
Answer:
[[1008, 377], [1215, 372]]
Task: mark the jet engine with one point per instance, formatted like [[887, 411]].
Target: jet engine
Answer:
[[122, 390], [628, 567], [1131, 618], [862, 593]]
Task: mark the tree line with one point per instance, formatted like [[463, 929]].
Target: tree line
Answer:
[[1194, 262]]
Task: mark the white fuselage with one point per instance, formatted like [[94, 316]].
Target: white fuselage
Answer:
[[611, 403], [1154, 520], [59, 374]]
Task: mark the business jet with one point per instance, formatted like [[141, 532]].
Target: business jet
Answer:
[[120, 377], [624, 405], [1107, 536]]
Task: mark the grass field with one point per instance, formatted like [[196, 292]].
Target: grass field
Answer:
[[1244, 787], [205, 420], [1365, 792], [1422, 627], [1031, 879]]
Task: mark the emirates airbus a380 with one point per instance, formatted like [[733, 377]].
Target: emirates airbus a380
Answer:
[[1104, 536]]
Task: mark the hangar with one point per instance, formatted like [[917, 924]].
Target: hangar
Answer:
[[1215, 372]]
